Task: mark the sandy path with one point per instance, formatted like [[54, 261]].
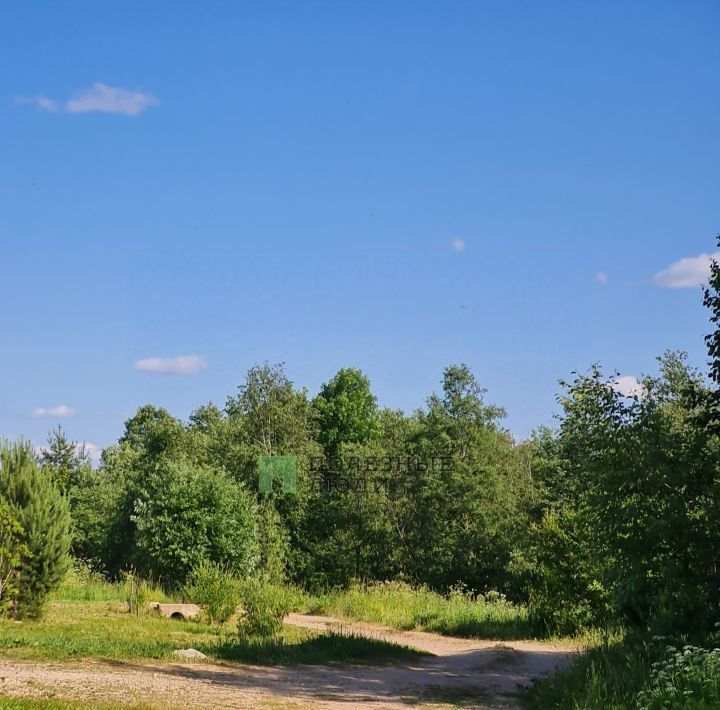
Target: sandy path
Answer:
[[462, 668]]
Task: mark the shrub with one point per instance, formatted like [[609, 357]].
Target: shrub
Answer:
[[215, 591], [264, 608], [44, 517], [185, 515], [687, 678], [565, 591]]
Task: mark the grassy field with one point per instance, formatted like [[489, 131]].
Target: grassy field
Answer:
[[71, 630], [403, 607]]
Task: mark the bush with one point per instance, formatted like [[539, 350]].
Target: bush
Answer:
[[264, 608], [185, 515], [687, 678], [215, 591], [44, 517], [565, 591]]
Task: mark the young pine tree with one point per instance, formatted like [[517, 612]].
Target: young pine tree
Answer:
[[43, 514], [64, 458]]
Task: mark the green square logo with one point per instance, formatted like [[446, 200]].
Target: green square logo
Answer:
[[282, 467]]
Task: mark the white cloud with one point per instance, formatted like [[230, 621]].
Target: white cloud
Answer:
[[40, 101], [60, 412], [687, 273], [601, 278], [99, 97], [458, 244], [180, 365], [628, 386], [109, 99], [94, 452]]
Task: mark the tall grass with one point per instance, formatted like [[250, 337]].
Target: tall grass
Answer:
[[74, 630], [645, 674], [83, 584], [401, 606]]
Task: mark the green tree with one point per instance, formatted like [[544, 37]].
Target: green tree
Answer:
[[44, 516], [647, 493], [346, 411], [467, 511], [186, 515], [64, 458]]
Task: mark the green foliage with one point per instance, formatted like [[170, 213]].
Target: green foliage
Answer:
[[686, 678], [83, 583], [75, 631], [273, 545], [185, 515], [299, 646], [264, 606], [12, 552], [562, 576], [646, 494], [711, 301], [214, 590], [346, 411], [44, 517], [639, 672], [137, 592], [460, 613], [606, 677], [64, 459]]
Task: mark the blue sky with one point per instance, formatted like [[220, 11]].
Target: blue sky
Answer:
[[390, 185]]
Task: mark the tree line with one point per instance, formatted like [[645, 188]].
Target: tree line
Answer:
[[610, 518]]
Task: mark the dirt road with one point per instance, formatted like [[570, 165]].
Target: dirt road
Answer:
[[480, 674]]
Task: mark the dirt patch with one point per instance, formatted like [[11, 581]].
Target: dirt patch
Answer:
[[463, 672]]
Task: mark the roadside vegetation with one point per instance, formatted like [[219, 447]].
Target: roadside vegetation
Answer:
[[88, 617], [400, 606]]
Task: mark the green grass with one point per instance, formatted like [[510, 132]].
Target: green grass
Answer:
[[9, 703], [608, 676], [647, 674], [72, 630], [402, 607], [300, 646], [83, 585]]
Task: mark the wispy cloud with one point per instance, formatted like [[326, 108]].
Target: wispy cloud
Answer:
[[687, 273], [180, 365], [62, 411], [40, 102], [628, 386], [601, 278], [458, 244], [109, 99], [99, 97]]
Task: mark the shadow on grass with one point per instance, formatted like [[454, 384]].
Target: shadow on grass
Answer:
[[323, 649], [468, 696], [492, 630], [479, 678]]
